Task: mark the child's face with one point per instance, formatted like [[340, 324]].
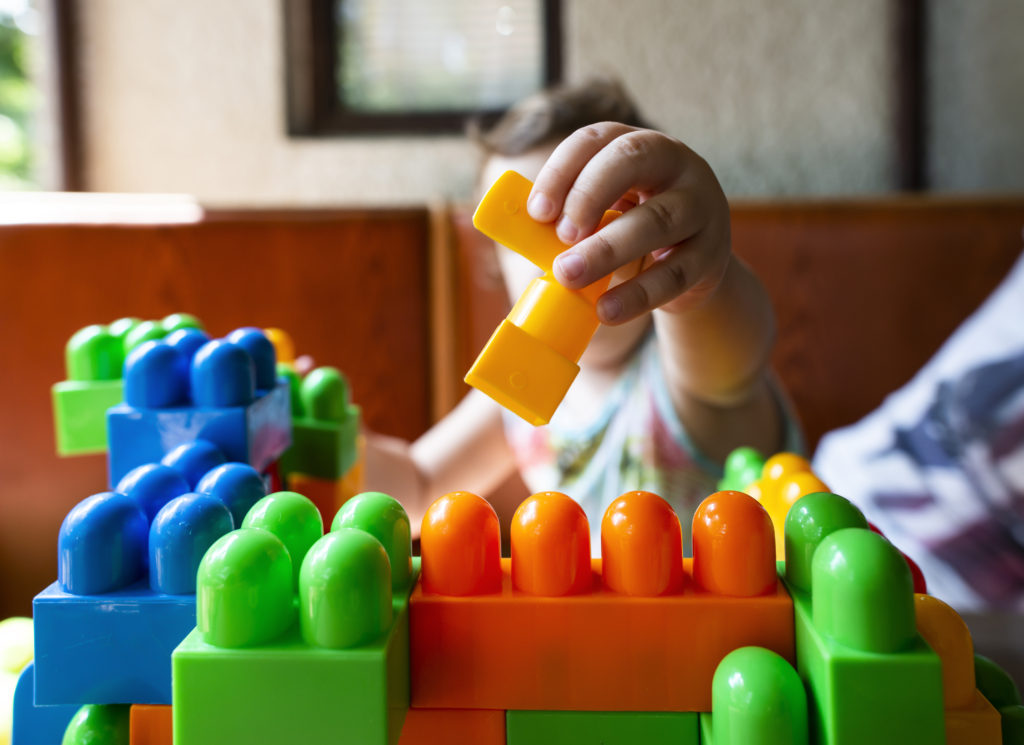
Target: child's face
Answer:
[[611, 345]]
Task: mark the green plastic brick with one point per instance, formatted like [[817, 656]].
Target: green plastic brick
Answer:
[[601, 728], [325, 425], [315, 655], [80, 414], [870, 676], [757, 698]]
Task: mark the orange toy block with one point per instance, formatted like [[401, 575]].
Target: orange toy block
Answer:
[[450, 726], [642, 629], [150, 725], [970, 718]]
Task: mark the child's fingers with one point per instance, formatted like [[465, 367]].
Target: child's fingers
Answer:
[[677, 271], [564, 164], [641, 161], [663, 220]]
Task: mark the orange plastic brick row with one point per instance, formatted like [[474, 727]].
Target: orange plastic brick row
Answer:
[[646, 634], [449, 726]]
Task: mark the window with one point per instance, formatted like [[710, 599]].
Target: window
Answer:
[[379, 66]]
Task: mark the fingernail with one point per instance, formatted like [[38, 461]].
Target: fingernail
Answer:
[[570, 266], [566, 230], [540, 207], [609, 309]]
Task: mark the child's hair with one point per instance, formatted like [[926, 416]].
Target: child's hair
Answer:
[[554, 114]]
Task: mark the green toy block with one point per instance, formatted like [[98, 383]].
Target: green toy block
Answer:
[[325, 426], [99, 723], [601, 728], [757, 698], [318, 655], [870, 676], [742, 468], [80, 414]]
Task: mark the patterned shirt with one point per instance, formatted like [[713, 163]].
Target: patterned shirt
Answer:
[[635, 441], [939, 467]]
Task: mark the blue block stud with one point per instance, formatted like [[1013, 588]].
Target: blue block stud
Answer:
[[235, 484], [102, 544], [193, 460], [178, 538], [260, 348], [155, 376], [223, 374], [152, 486], [187, 341]]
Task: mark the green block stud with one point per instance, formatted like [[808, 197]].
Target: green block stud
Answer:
[[870, 676], [325, 426], [384, 518], [601, 728], [324, 661], [742, 468], [96, 724], [757, 698]]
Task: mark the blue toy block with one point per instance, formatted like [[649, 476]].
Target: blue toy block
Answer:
[[172, 399], [108, 649], [105, 631], [37, 725]]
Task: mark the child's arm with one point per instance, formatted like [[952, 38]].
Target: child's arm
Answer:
[[714, 322], [465, 451]]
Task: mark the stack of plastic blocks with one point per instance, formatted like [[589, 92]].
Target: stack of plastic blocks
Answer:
[[324, 461], [186, 388], [94, 363], [620, 647], [125, 594], [300, 636]]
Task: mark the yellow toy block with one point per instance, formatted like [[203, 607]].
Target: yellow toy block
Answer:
[[531, 359]]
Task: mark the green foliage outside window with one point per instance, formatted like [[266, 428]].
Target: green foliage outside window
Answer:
[[17, 103]]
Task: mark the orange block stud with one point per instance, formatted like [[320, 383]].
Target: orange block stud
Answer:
[[551, 546], [150, 725], [642, 546], [460, 543], [641, 635], [734, 546], [970, 718]]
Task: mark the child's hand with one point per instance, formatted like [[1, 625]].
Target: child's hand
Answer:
[[675, 226]]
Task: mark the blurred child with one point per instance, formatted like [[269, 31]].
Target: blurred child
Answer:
[[677, 374]]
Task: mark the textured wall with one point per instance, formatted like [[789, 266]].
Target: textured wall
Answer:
[[976, 95], [784, 97]]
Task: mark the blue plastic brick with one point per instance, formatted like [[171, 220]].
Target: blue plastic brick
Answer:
[[37, 725], [125, 597], [108, 649], [175, 395]]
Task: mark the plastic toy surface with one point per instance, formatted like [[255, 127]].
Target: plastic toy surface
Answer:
[[531, 359], [447, 726], [125, 595], [151, 725], [640, 630], [870, 675], [604, 727], [94, 724], [225, 392], [325, 425], [299, 631], [37, 724]]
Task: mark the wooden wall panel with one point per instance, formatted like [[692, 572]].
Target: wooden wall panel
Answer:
[[351, 288]]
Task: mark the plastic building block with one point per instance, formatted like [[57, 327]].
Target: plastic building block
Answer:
[[994, 683], [743, 467], [99, 723], [15, 644], [757, 698], [37, 725], [94, 358], [283, 345], [970, 718], [330, 494], [869, 674], [642, 629], [602, 728], [298, 631], [172, 399], [531, 359], [447, 726], [325, 425], [151, 725], [125, 595]]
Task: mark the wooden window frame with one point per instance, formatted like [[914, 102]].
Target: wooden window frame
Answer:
[[313, 108]]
